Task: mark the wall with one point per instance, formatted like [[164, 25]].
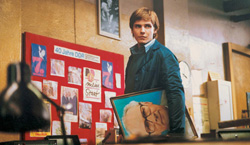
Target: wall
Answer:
[[177, 36], [194, 31], [10, 37], [210, 26], [207, 21], [10, 44]]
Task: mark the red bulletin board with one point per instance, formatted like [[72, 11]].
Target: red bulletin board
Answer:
[[50, 43]]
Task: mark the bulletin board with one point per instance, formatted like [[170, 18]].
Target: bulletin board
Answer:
[[84, 76]]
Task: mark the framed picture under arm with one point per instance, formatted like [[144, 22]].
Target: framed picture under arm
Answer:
[[135, 112], [109, 18]]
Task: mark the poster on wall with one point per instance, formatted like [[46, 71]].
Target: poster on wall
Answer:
[[118, 80], [74, 75], [37, 84], [57, 130], [105, 115], [100, 131], [108, 95], [76, 54], [57, 67], [50, 88], [107, 74], [69, 97], [39, 60], [92, 85], [85, 115]]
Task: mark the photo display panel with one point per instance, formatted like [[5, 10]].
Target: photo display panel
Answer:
[[78, 78]]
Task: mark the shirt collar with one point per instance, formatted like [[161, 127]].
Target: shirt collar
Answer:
[[136, 50]]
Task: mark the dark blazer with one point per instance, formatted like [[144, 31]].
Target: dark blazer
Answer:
[[160, 69]]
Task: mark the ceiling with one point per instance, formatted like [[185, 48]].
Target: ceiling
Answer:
[[238, 10]]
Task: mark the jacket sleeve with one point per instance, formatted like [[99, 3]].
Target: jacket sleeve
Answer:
[[172, 83]]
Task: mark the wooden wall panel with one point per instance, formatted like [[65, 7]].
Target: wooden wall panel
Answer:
[[237, 70], [241, 70]]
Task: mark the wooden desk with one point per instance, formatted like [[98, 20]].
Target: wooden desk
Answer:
[[194, 142], [197, 143]]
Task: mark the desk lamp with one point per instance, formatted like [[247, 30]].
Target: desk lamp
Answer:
[[21, 103]]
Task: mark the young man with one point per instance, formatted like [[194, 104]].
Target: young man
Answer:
[[152, 65]]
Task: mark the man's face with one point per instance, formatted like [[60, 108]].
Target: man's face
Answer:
[[146, 119], [143, 31]]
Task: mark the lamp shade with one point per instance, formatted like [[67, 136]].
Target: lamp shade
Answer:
[[21, 103]]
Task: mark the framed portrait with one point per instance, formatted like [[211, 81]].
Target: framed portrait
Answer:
[[145, 113], [109, 18]]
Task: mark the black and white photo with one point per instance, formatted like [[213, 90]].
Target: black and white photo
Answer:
[[109, 18]]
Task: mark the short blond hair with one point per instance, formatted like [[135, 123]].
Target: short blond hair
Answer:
[[125, 110], [144, 13]]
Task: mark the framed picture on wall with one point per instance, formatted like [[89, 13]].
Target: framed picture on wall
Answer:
[[145, 113], [109, 18]]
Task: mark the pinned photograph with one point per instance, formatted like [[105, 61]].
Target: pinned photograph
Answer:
[[107, 74], [57, 67], [74, 75], [50, 88], [57, 130], [105, 115], [69, 100], [118, 80], [108, 95], [37, 84], [100, 132], [39, 60], [85, 115]]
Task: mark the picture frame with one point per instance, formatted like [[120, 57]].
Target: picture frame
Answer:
[[121, 105], [248, 103], [109, 18]]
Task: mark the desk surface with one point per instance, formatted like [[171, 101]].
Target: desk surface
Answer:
[[197, 143], [192, 142]]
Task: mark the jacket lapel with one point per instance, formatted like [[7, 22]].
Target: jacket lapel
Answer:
[[149, 55]]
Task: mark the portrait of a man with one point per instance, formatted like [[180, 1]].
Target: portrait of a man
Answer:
[[145, 118], [146, 113], [142, 114]]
